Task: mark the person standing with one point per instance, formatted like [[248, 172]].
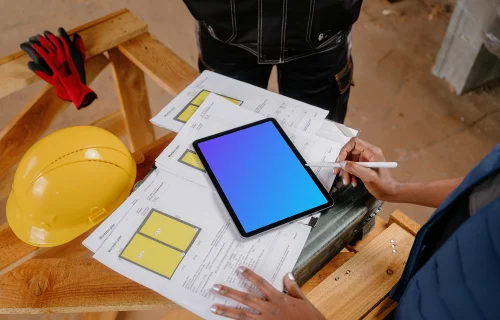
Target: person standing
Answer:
[[308, 41]]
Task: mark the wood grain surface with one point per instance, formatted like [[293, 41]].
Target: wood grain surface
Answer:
[[134, 102], [353, 290], [404, 221], [159, 62]]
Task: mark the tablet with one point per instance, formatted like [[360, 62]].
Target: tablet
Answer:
[[261, 177]]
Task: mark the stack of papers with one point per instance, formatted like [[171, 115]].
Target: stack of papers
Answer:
[[174, 235]]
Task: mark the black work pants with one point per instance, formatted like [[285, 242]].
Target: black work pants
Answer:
[[322, 79]]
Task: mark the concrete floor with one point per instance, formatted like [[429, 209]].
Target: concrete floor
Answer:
[[397, 103]]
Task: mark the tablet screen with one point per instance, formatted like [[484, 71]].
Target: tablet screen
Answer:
[[261, 176]]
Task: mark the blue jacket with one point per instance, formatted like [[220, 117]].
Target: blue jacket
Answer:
[[461, 280]]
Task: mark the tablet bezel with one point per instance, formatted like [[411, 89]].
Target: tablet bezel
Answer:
[[225, 200]]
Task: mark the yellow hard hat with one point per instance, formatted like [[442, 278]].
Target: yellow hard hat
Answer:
[[67, 183]]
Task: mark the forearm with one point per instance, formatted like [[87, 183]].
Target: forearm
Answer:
[[429, 194]]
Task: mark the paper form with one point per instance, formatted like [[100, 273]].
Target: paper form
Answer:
[[178, 240], [336, 132], [216, 115], [288, 111]]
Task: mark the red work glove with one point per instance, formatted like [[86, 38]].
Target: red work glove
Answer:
[[41, 69], [65, 62]]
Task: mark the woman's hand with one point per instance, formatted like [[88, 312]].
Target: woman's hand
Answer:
[[379, 182], [273, 304]]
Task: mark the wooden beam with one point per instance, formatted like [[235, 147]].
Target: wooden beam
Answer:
[[73, 285], [366, 279], [12, 250], [23, 131], [113, 123], [380, 226], [159, 62], [382, 310], [326, 271], [404, 222], [134, 102], [110, 315], [98, 36]]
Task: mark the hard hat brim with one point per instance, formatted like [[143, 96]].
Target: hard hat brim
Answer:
[[39, 236]]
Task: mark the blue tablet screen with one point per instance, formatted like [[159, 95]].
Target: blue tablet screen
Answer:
[[260, 175]]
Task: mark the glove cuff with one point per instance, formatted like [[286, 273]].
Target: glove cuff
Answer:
[[82, 95]]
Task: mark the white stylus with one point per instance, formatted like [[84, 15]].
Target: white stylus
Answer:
[[363, 164]]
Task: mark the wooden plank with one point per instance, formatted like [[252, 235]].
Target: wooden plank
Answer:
[[380, 226], [179, 314], [98, 36], [404, 222], [366, 279], [326, 271], [74, 30], [113, 123], [110, 315], [382, 310], [133, 98], [159, 62], [23, 131], [73, 285], [12, 250]]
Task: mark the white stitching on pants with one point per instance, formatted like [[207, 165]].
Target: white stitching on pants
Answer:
[[310, 22], [259, 32], [233, 21], [245, 48], [283, 29]]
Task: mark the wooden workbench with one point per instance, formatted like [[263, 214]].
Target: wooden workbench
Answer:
[[64, 279]]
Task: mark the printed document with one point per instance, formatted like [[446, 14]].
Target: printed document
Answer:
[[287, 111], [177, 239]]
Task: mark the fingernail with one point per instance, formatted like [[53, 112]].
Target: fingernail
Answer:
[[345, 181], [342, 164], [216, 287], [240, 270], [353, 184], [213, 309], [290, 276]]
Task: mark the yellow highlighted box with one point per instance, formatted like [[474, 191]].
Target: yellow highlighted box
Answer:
[[198, 100], [192, 159], [169, 231], [152, 255], [187, 113], [235, 101]]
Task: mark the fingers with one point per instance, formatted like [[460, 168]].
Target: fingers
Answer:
[[242, 297], [26, 47], [54, 40], [292, 287], [354, 181], [233, 313], [65, 38], [359, 149], [78, 42], [40, 71], [265, 287], [365, 174], [47, 44], [346, 177]]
